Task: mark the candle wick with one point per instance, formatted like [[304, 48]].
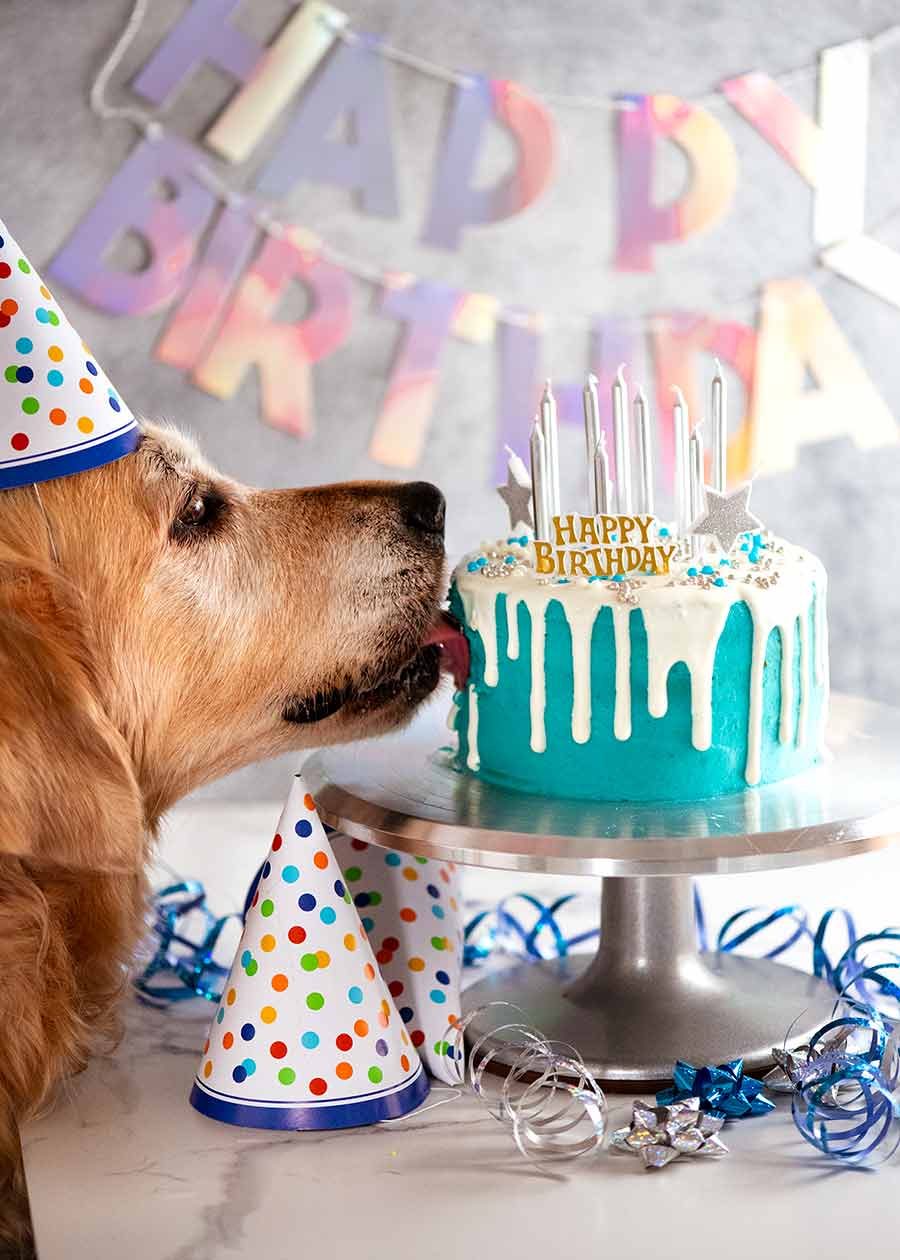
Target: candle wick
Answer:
[[620, 374], [718, 367], [679, 397]]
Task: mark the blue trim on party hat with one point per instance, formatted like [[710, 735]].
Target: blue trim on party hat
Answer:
[[59, 413], [343, 1113], [69, 460]]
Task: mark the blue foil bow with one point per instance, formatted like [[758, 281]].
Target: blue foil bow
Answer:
[[724, 1091]]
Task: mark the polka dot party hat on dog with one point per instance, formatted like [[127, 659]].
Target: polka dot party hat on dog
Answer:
[[306, 1035], [411, 911], [59, 413]]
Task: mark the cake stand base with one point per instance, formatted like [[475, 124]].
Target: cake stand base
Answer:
[[649, 996]]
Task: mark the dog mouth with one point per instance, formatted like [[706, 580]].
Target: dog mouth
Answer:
[[443, 647]]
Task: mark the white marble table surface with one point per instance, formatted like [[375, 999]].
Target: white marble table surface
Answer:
[[123, 1167]]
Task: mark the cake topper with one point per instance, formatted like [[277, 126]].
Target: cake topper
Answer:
[[516, 494], [622, 535], [603, 547], [727, 516]]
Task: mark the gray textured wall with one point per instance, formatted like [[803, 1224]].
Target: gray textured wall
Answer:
[[55, 157]]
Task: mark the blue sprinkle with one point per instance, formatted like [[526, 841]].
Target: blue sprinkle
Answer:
[[724, 561], [562, 581], [707, 568], [719, 582], [481, 562], [523, 540], [472, 566], [618, 577], [664, 533], [744, 547], [509, 559], [692, 572]]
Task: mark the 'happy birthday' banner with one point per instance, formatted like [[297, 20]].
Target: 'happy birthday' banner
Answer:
[[224, 299]]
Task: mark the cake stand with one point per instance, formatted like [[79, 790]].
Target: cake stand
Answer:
[[648, 996]]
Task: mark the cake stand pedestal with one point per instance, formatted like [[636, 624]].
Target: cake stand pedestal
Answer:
[[649, 996]]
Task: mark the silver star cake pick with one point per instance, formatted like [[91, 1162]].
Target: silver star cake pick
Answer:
[[726, 516], [660, 1134], [516, 494]]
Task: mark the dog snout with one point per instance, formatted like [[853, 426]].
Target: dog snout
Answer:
[[422, 508]]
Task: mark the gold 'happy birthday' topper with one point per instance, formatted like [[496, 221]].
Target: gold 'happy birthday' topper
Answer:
[[602, 546]]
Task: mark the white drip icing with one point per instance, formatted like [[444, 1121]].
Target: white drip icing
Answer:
[[538, 610], [622, 633], [473, 761], [581, 620], [683, 623], [803, 707], [754, 717], [512, 626], [673, 636], [786, 716]]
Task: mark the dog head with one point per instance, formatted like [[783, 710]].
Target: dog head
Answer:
[[206, 623]]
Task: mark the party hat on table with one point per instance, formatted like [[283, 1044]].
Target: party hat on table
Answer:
[[306, 1035], [58, 412], [411, 911]]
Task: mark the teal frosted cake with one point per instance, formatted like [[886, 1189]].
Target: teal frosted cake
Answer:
[[683, 686], [704, 677]]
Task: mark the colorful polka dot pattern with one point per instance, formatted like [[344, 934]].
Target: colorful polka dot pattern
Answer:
[[306, 1017], [411, 912], [56, 401]]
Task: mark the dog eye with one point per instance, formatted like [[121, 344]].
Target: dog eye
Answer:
[[198, 516]]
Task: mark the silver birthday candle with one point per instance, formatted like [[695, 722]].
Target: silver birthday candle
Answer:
[[621, 442], [602, 496], [591, 434], [644, 451], [681, 424], [719, 431], [550, 431], [542, 511], [697, 496]]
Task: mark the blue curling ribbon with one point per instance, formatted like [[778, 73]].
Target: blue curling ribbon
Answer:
[[727, 943], [724, 1091], [501, 928], [874, 983], [179, 954], [845, 1102]]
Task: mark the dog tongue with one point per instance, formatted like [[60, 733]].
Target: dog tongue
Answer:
[[445, 630]]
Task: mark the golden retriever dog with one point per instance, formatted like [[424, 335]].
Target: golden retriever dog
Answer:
[[161, 625]]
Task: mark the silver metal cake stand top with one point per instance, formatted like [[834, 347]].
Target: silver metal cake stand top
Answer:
[[648, 996]]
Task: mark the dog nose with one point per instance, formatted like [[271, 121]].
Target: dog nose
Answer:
[[422, 507]]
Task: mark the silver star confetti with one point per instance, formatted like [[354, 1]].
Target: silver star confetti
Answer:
[[516, 494], [793, 1066], [726, 516], [660, 1134]]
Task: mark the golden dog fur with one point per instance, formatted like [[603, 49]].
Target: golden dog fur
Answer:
[[161, 625]]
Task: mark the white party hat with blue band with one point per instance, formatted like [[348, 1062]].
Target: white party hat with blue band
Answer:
[[306, 1035], [59, 412]]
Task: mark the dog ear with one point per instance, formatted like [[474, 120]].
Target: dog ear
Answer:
[[68, 794]]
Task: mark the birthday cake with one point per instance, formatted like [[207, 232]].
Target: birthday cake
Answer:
[[616, 657]]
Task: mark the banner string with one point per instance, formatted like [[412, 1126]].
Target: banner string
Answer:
[[269, 222], [786, 78]]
